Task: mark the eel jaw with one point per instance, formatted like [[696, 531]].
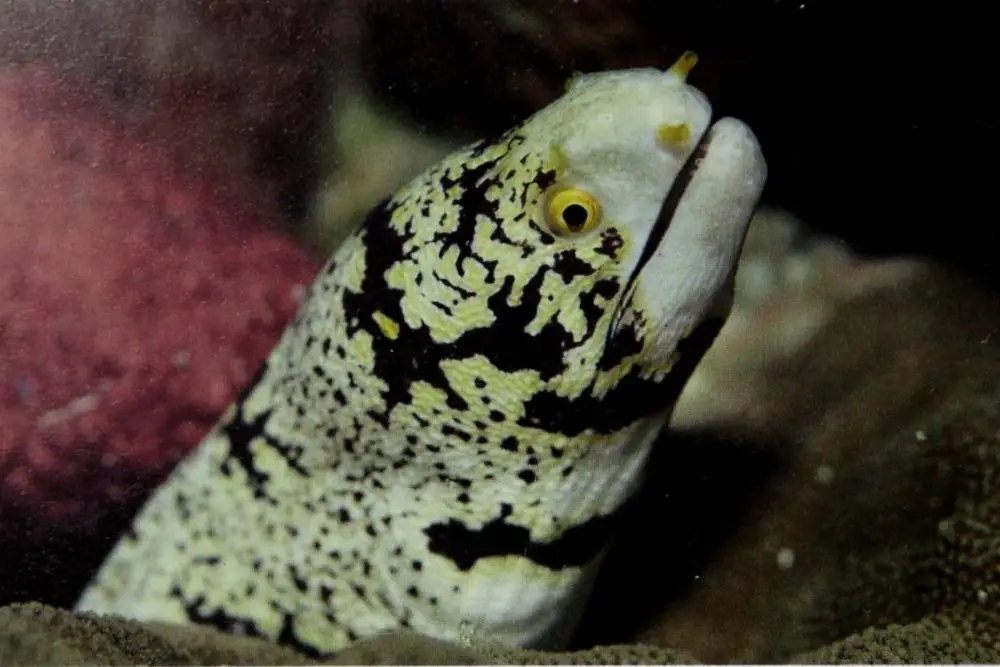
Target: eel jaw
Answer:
[[684, 276]]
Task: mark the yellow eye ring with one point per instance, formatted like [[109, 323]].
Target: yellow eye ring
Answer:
[[570, 212]]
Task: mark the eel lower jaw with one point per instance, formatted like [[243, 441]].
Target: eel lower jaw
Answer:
[[685, 279]]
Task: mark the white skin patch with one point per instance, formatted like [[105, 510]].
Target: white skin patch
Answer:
[[470, 392]]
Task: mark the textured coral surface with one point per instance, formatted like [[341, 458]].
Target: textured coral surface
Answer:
[[141, 282]]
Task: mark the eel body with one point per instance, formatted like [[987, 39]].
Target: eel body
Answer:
[[442, 437]]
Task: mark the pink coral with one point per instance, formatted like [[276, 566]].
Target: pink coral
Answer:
[[140, 289]]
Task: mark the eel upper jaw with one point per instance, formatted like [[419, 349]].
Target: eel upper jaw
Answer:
[[688, 261], [660, 226]]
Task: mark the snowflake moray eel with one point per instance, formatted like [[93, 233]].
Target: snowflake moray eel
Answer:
[[443, 435]]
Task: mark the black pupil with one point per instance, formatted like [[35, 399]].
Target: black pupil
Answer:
[[575, 216]]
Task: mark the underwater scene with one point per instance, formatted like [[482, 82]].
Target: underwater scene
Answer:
[[498, 332]]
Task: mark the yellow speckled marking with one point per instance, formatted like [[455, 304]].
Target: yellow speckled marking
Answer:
[[388, 325], [672, 135]]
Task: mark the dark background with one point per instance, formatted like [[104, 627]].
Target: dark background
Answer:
[[878, 119]]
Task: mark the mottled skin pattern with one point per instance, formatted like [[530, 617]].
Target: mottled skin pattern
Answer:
[[442, 438]]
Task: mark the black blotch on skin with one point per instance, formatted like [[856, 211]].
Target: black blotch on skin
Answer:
[[611, 243], [449, 430], [631, 399], [568, 266], [575, 547], [462, 292], [607, 289], [472, 202], [301, 584], [509, 443], [544, 179], [181, 503], [462, 482], [240, 433], [624, 344], [232, 624]]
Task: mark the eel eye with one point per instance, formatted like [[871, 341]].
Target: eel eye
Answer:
[[571, 211]]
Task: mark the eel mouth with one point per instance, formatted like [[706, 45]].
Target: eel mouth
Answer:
[[666, 215]]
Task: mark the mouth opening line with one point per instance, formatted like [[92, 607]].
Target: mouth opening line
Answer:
[[663, 220]]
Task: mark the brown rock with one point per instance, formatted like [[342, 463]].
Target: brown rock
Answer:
[[874, 502]]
